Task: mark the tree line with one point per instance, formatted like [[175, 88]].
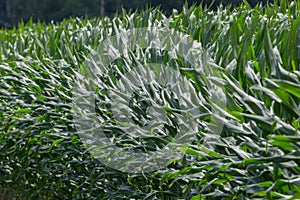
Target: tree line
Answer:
[[13, 11]]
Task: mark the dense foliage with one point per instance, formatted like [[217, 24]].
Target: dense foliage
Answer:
[[257, 156], [12, 11]]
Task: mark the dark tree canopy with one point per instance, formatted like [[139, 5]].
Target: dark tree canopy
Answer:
[[12, 11]]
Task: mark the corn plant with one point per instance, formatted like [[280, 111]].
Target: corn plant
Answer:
[[256, 155]]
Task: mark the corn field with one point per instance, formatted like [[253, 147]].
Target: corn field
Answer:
[[256, 155]]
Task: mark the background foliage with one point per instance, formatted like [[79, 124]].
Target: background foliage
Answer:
[[257, 155], [12, 11]]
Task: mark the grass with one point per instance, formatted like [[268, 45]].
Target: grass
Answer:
[[257, 54]]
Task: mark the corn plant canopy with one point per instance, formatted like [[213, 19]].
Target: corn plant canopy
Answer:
[[255, 155]]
